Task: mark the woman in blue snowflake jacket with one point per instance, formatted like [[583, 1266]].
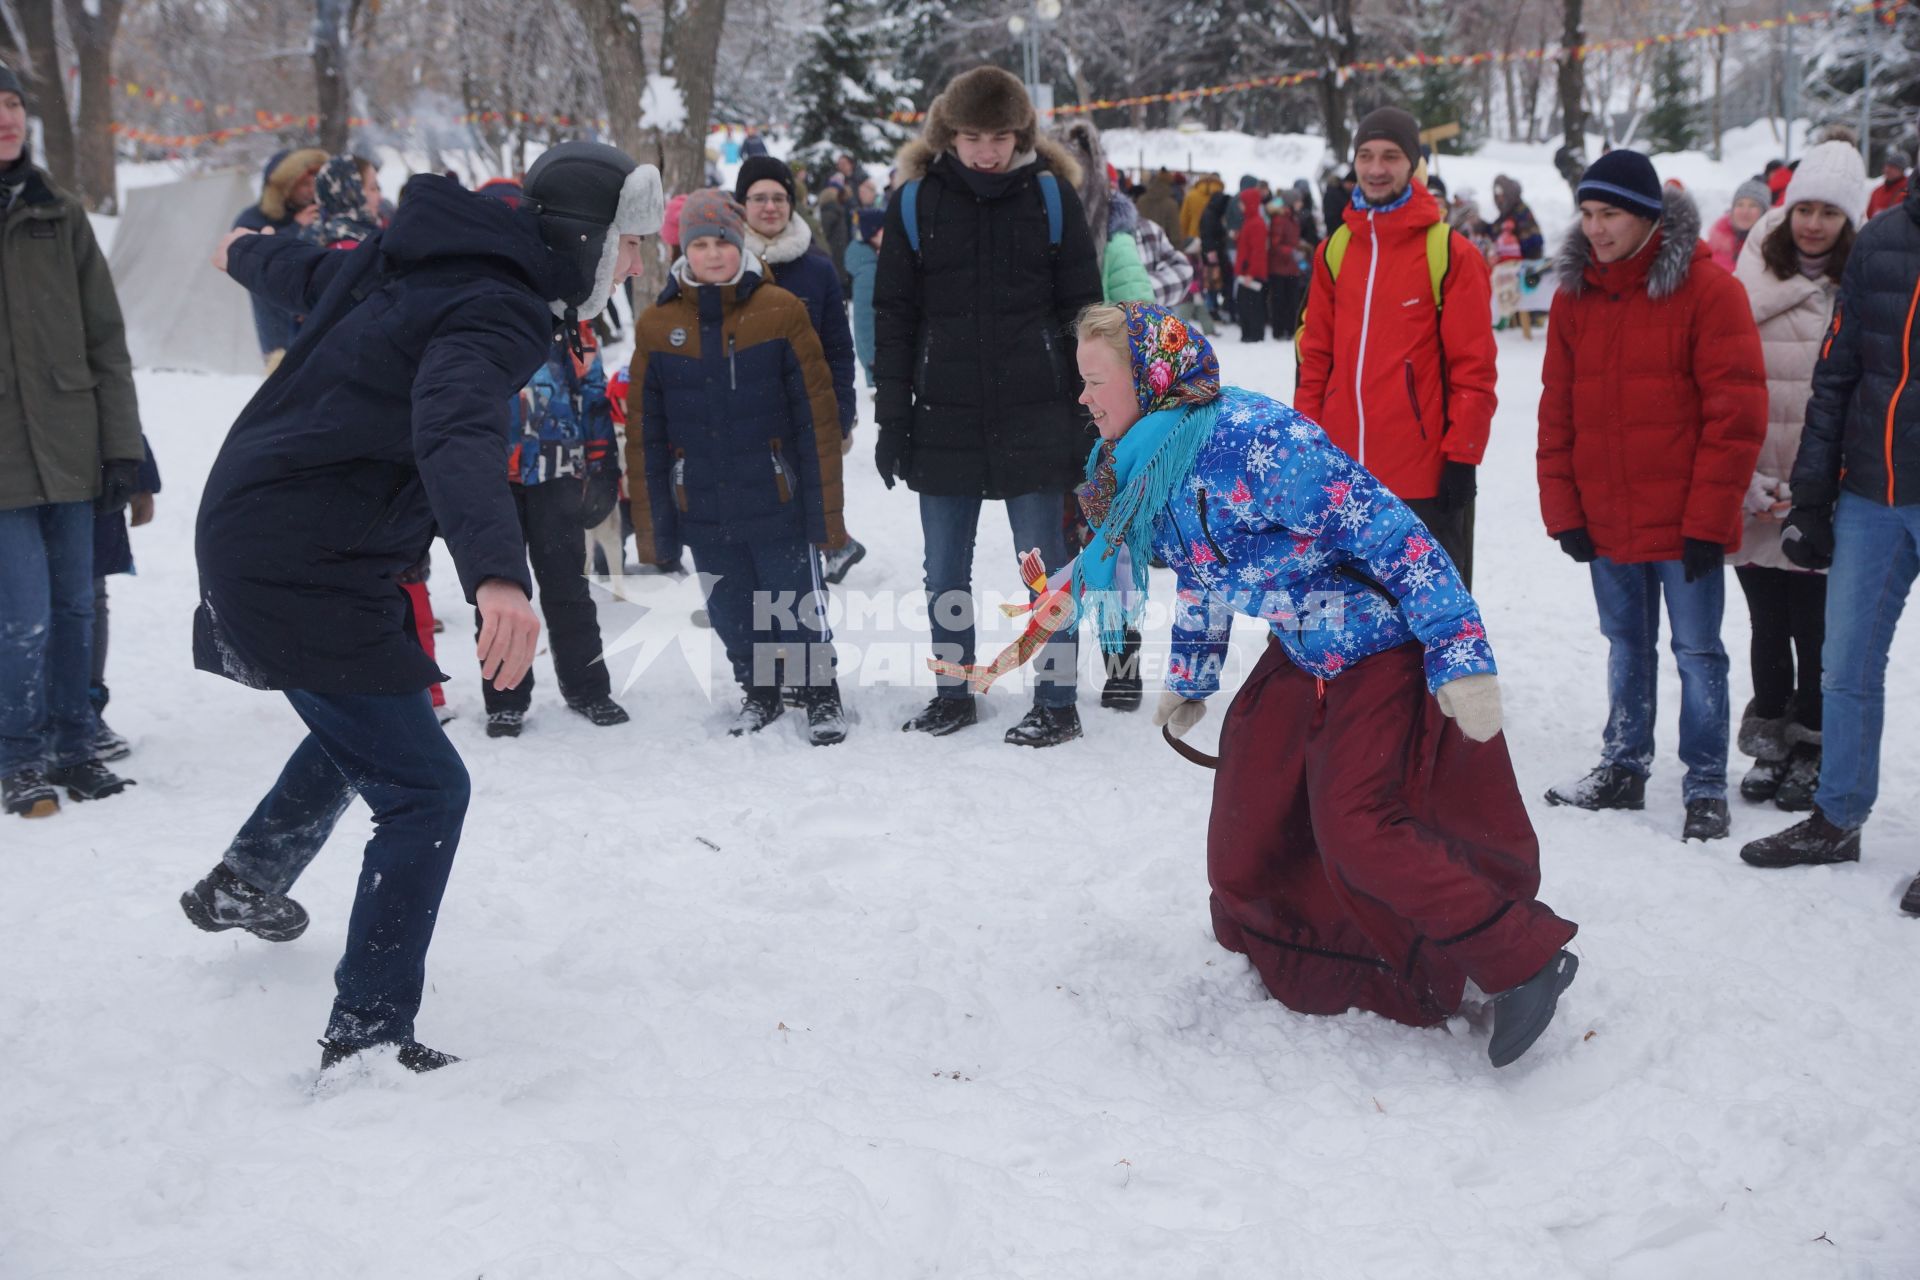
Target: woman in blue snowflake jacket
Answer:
[[1368, 847]]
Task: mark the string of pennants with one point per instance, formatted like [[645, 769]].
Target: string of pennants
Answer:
[[272, 122], [276, 122], [1884, 8]]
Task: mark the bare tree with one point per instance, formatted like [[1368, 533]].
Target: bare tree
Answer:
[[77, 127], [1573, 85]]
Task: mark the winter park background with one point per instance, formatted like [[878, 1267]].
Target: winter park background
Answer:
[[931, 1007]]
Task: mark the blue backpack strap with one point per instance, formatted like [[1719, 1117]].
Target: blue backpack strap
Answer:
[[1050, 196], [909, 211]]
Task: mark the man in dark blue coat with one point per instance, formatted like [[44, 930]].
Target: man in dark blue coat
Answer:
[[384, 424]]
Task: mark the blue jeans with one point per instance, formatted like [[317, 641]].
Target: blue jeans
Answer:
[[46, 635], [1874, 564], [949, 526], [390, 750], [766, 601], [1629, 599]]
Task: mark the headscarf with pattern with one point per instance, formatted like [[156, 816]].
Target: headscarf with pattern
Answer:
[[1176, 380]]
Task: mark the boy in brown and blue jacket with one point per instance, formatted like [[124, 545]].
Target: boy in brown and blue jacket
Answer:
[[733, 451]]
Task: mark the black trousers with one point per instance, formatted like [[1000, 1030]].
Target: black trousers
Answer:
[[1453, 530], [1252, 310], [1283, 305], [1789, 613], [557, 551]]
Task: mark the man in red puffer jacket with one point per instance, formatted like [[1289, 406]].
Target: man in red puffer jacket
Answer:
[[1402, 385], [1651, 420]]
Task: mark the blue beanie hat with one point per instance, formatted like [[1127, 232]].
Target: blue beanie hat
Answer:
[[1625, 180]]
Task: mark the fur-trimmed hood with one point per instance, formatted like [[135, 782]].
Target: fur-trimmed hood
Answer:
[[918, 156], [283, 174], [1673, 257]]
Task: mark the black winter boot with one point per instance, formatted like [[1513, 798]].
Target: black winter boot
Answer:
[[760, 708], [1811, 843], [1762, 782], [1910, 900], [1046, 727], [224, 901], [28, 795], [411, 1054], [505, 724], [943, 716], [1610, 786], [1124, 688], [1521, 1013], [1801, 781], [1761, 737], [109, 746], [88, 780], [826, 718], [601, 711], [1706, 820]]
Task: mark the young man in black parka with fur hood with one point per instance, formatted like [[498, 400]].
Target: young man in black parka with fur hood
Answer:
[[976, 376]]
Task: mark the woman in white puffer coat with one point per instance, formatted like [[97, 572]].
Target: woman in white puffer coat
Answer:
[[1791, 266]]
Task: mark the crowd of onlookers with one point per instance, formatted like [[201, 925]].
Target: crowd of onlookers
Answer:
[[1724, 394]]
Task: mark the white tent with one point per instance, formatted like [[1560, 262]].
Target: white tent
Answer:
[[180, 312]]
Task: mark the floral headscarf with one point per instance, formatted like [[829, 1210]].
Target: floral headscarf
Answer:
[[1173, 366]]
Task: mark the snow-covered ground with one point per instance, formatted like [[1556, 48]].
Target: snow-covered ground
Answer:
[[908, 1008]]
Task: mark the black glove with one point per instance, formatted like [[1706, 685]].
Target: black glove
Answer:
[[119, 481], [1808, 537], [892, 453], [1701, 558], [1458, 484], [1577, 543], [599, 483]]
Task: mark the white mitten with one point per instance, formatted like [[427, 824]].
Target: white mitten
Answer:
[[1474, 704], [1760, 497], [1178, 713]]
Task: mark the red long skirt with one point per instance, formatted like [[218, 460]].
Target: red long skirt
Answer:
[[1363, 853]]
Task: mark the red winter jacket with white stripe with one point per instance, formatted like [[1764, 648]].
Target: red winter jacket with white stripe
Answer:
[[1655, 399], [1401, 389]]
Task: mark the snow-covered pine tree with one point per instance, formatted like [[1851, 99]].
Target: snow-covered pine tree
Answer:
[[843, 91], [1441, 94], [1673, 122], [1835, 76]]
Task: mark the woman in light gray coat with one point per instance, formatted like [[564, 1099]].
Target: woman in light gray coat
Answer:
[[1791, 266]]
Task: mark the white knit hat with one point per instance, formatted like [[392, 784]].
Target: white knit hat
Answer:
[[1831, 173]]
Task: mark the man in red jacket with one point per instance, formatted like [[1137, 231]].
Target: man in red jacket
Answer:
[[1400, 382], [1651, 420], [1893, 184]]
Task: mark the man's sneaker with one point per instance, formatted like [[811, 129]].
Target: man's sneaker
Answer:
[[760, 708], [1801, 782], [411, 1054], [1762, 782], [1910, 900], [27, 794], [1811, 843], [943, 716], [88, 780], [1610, 786], [602, 711], [1706, 820], [224, 901], [109, 746], [1521, 1013], [505, 724], [834, 564], [1046, 727]]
